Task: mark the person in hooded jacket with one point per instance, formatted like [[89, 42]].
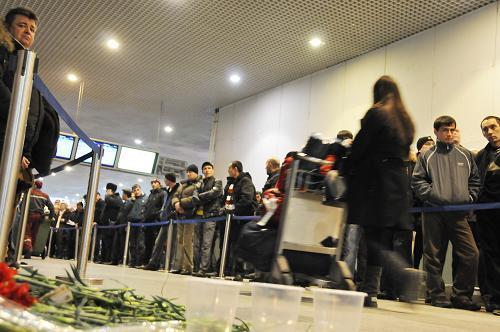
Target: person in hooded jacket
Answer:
[[152, 211], [119, 236], [185, 209], [109, 217], [240, 200]]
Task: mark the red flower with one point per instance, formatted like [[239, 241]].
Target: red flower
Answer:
[[6, 273], [21, 295], [6, 288]]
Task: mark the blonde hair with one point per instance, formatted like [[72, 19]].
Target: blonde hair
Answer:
[[5, 38]]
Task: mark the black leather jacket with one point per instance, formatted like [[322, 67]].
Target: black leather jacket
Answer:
[[210, 197]]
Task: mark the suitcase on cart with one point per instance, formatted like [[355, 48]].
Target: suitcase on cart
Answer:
[[40, 245]]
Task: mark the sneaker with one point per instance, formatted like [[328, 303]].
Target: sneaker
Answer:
[[441, 302], [371, 302], [465, 304]]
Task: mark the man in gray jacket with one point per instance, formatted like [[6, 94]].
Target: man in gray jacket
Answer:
[[447, 174]]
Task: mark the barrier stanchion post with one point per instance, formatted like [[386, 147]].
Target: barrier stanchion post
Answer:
[[83, 254], [50, 241], [223, 254], [94, 240], [23, 220], [14, 141], [77, 241], [168, 252], [125, 247]]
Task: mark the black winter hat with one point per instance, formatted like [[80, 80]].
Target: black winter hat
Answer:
[[192, 168], [206, 163], [111, 186], [422, 140], [170, 177]]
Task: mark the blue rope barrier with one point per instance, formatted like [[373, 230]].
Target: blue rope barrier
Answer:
[[151, 224], [44, 90], [246, 218], [112, 226], [194, 221], [63, 229], [456, 208]]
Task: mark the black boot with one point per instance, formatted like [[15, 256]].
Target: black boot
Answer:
[[371, 285]]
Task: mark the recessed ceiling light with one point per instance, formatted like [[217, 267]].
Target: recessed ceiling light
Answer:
[[53, 174], [235, 79], [168, 129], [140, 180], [77, 195], [72, 77], [67, 169], [40, 179], [316, 42], [120, 184], [112, 44], [137, 141]]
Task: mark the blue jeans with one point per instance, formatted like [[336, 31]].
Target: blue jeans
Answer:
[[352, 236]]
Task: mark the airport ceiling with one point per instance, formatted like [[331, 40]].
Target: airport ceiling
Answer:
[[175, 57]]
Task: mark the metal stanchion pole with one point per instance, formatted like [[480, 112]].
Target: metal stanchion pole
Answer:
[[125, 248], [83, 254], [168, 252], [23, 219], [223, 254], [77, 240], [94, 240], [50, 241], [14, 141]]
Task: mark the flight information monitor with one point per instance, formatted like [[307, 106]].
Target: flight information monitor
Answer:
[[109, 157], [65, 146], [137, 160]]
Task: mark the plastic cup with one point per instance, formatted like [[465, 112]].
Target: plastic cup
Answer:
[[275, 307], [337, 310], [211, 305]]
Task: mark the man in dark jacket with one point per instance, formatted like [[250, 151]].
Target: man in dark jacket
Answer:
[[447, 174], [112, 204], [42, 127], [136, 215], [488, 221], [184, 206], [152, 211], [119, 234], [167, 213], [38, 202], [273, 172], [208, 199], [240, 199]]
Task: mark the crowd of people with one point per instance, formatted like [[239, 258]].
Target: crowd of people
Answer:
[[382, 177]]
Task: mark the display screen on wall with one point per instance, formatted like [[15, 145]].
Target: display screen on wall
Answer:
[[110, 151], [137, 160], [65, 146]]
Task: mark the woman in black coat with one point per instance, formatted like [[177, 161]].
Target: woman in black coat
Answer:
[[377, 191]]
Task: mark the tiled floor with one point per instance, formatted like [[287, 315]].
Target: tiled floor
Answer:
[[391, 316]]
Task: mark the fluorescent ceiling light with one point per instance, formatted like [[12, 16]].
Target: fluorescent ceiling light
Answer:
[[112, 44], [168, 129], [316, 42], [138, 141], [72, 77], [235, 79]]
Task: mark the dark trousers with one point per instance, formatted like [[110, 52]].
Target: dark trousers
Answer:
[[438, 228], [34, 221], [204, 239], [382, 257], [136, 246], [418, 248], [118, 245], [104, 245], [233, 266], [150, 234], [65, 242], [488, 222], [401, 244], [160, 242]]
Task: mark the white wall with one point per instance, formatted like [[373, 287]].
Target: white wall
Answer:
[[450, 69]]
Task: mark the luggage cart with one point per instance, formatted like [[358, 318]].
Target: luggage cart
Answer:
[[311, 231]]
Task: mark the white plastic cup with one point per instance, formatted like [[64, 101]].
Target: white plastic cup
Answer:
[[337, 310], [275, 307], [211, 305]]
